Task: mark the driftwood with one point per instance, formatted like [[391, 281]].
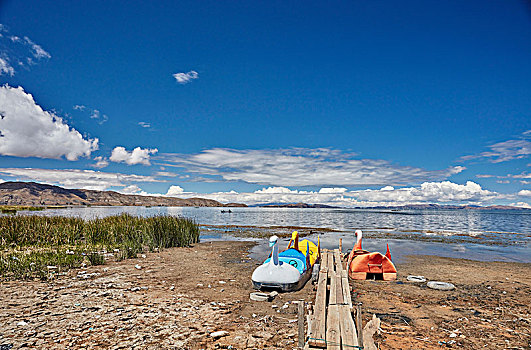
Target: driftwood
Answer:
[[368, 331]]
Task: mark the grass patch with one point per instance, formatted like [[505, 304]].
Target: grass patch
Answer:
[[12, 209], [29, 245]]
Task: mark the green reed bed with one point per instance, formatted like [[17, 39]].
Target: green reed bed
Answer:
[[40, 246], [12, 209]]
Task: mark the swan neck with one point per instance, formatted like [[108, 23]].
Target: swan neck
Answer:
[[275, 254]]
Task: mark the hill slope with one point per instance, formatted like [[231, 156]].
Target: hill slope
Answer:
[[32, 193]]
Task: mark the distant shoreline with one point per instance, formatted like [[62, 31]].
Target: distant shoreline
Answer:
[[13, 193]]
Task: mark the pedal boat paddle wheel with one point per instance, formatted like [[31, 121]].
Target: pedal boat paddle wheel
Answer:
[[289, 270], [364, 265]]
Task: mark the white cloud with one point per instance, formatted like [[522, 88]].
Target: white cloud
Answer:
[[523, 175], [92, 113], [38, 51], [23, 52], [131, 189], [166, 174], [100, 118], [101, 162], [144, 124], [522, 205], [484, 176], [329, 190], [506, 150], [434, 192], [75, 178], [185, 78], [174, 191], [5, 67], [525, 193], [430, 192], [301, 167], [29, 131], [136, 156]]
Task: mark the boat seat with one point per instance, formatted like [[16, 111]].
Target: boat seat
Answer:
[[293, 257], [295, 262]]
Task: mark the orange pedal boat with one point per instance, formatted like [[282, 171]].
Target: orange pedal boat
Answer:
[[364, 265]]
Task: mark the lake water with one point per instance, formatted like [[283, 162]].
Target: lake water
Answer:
[[475, 234]]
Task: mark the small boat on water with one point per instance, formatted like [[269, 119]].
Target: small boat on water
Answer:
[[363, 264], [289, 270]]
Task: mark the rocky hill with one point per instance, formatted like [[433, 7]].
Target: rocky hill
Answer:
[[31, 193], [295, 205]]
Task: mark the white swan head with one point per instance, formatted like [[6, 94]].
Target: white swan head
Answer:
[[273, 240]]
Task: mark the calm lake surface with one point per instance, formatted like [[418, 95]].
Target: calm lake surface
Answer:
[[475, 234]]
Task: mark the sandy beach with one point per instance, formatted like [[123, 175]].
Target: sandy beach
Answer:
[[178, 298]]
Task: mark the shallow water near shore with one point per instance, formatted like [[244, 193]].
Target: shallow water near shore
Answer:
[[486, 235]]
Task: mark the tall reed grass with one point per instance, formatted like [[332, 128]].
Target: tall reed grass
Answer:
[[29, 245]]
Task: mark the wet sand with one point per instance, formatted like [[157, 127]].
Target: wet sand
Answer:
[[180, 296]]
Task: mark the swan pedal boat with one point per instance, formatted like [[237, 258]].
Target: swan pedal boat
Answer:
[[363, 264], [289, 270]]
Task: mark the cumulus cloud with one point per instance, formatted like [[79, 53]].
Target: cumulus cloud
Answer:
[[28, 131], [185, 78], [301, 167], [428, 192], [136, 156], [75, 178], [525, 193], [506, 150], [175, 191], [435, 192], [131, 189], [17, 51]]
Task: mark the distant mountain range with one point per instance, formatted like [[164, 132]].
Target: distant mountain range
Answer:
[[401, 207], [294, 205], [36, 194], [444, 206], [32, 193]]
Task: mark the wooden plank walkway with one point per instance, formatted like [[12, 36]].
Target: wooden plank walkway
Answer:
[[331, 324]]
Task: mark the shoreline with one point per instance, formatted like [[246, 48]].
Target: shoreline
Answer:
[[400, 248], [180, 296]]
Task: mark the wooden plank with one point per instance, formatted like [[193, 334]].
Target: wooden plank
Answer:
[[359, 325], [333, 290], [333, 331], [324, 262], [347, 328], [346, 289], [300, 322], [337, 260], [340, 298], [309, 321], [330, 263], [317, 334]]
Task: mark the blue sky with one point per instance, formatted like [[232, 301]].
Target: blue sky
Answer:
[[347, 103]]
